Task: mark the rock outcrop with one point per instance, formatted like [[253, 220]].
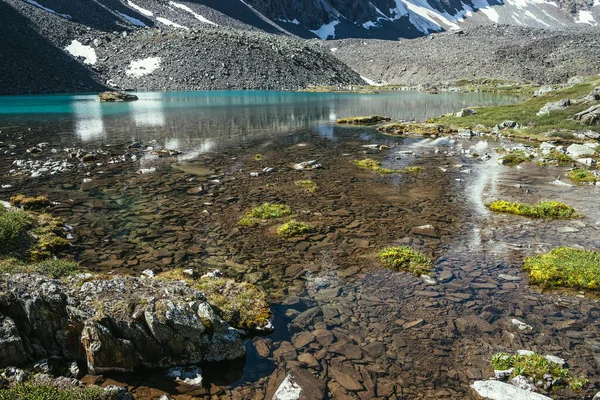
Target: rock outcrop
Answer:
[[590, 116], [116, 96], [110, 323]]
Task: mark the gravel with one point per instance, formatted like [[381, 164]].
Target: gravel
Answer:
[[500, 51]]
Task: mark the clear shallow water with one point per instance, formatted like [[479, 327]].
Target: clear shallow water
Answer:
[[394, 334]]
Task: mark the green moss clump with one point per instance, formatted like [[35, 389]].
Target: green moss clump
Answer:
[[41, 391], [241, 304], [294, 228], [535, 366], [54, 268], [369, 120], [30, 203], [257, 157], [565, 267], [262, 212], [515, 157], [405, 258], [307, 185], [373, 165], [582, 176], [544, 209], [558, 157]]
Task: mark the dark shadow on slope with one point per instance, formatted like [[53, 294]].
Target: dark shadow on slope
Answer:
[[29, 63], [97, 14], [238, 10]]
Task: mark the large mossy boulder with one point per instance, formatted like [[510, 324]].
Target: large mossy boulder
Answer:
[[110, 323], [116, 97]]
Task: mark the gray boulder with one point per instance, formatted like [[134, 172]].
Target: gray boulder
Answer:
[[116, 97], [465, 112], [116, 324], [590, 116], [543, 90], [580, 150], [496, 390], [594, 95], [554, 106]]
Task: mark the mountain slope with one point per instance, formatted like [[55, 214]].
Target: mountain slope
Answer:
[[178, 49]]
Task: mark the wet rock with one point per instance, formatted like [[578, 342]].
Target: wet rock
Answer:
[[345, 376], [11, 344], [302, 339], [521, 325], [473, 321], [510, 278], [496, 390], [446, 275], [116, 97], [300, 384], [188, 375], [426, 230], [307, 165]]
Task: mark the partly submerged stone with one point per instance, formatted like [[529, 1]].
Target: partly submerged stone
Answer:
[[116, 96], [300, 384], [496, 390]]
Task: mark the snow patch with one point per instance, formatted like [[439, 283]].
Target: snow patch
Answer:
[[333, 49], [296, 22], [186, 8], [77, 49], [369, 24], [143, 67], [585, 17], [171, 23], [326, 30], [371, 82], [133, 21], [35, 3], [139, 9], [487, 10]]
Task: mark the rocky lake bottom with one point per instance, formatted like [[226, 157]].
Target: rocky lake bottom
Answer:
[[363, 331]]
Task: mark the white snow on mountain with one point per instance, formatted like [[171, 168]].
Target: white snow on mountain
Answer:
[[132, 20], [143, 67], [585, 17], [186, 8], [77, 49], [326, 30], [171, 23], [35, 3], [139, 9]]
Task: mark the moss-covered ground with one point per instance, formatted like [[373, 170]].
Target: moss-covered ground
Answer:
[[403, 258], [544, 209], [565, 267]]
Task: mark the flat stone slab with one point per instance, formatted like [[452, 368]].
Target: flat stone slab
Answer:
[[496, 390]]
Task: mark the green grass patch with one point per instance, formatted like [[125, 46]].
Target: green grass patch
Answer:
[[366, 120], [307, 185], [558, 157], [565, 267], [544, 209], [535, 366], [294, 228], [38, 391], [537, 127], [403, 258], [54, 268], [582, 176], [264, 212], [14, 231], [412, 170]]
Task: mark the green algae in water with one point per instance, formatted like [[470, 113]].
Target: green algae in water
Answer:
[[264, 211], [565, 267], [544, 209], [294, 228], [404, 258]]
